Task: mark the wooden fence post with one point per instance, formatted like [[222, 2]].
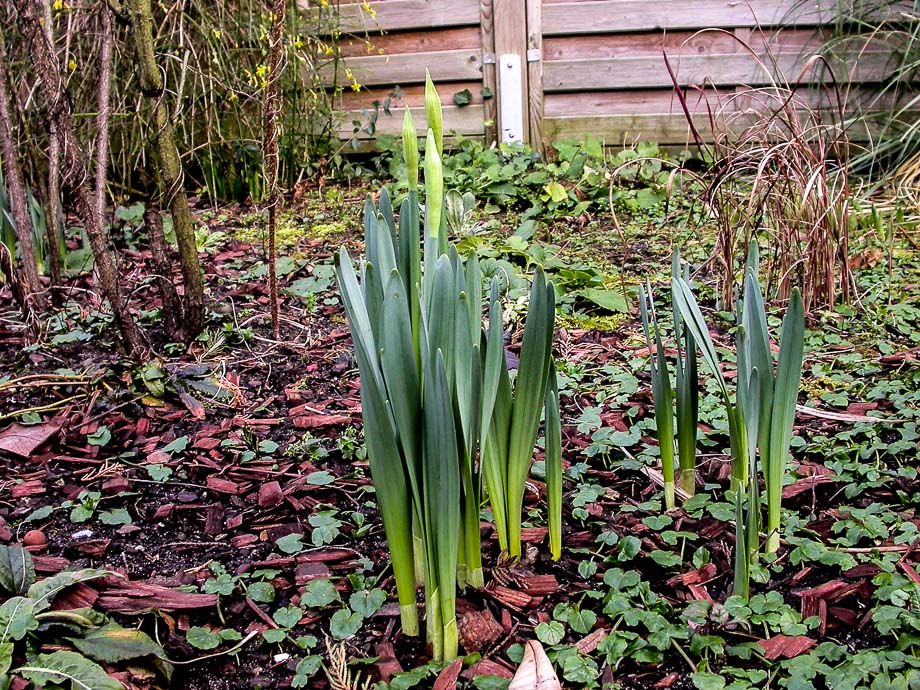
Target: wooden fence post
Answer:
[[535, 76], [510, 30], [489, 79]]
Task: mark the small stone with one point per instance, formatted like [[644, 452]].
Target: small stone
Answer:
[[35, 539]]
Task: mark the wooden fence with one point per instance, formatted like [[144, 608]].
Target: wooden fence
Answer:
[[540, 70]]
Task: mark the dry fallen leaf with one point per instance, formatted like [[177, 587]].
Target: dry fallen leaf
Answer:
[[535, 671]]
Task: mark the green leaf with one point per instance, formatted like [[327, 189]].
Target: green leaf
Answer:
[[290, 543], [319, 593], [707, 681], [325, 528], [176, 446], [367, 602], [345, 623], [462, 98], [611, 300], [320, 478], [582, 621], [550, 633], [274, 636], [261, 592], [202, 638], [288, 617], [6, 660], [306, 667], [112, 643], [100, 437], [556, 191], [42, 593], [117, 516], [16, 619], [68, 669], [17, 573], [158, 472]]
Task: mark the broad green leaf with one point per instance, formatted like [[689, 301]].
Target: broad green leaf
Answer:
[[6, 660], [556, 192], [68, 669], [288, 616], [43, 592], [112, 644], [17, 573], [261, 592], [611, 300], [16, 618], [550, 633]]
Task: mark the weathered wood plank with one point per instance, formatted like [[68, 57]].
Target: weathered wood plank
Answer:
[[535, 76], [396, 15], [617, 16], [462, 38], [718, 70], [489, 78], [665, 101], [649, 44], [409, 68], [467, 120], [666, 129], [413, 96]]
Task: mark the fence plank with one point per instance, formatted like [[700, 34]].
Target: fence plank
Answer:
[[413, 96], [462, 38], [718, 70], [467, 121], [396, 15], [409, 68], [618, 16]]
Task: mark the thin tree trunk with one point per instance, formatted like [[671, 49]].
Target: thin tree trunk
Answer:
[[140, 18], [172, 309], [272, 106], [31, 285], [105, 108], [74, 172], [53, 189]]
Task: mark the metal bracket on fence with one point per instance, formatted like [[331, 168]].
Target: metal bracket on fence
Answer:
[[488, 58], [533, 55], [511, 98]]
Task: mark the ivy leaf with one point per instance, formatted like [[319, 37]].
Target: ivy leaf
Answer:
[[326, 528], [703, 680], [306, 667], [274, 636], [202, 638], [345, 623], [117, 516], [290, 543], [582, 621], [462, 98], [287, 617], [319, 593], [101, 437], [262, 592], [550, 633], [367, 603]]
